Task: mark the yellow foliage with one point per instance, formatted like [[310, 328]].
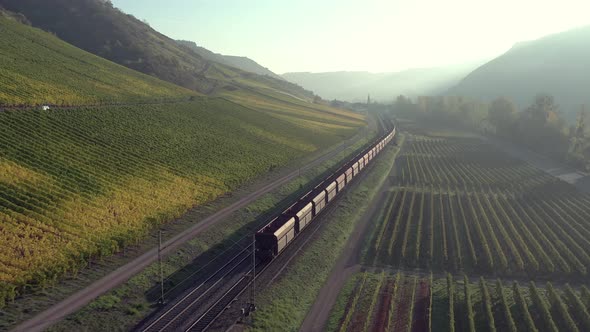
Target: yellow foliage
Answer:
[[298, 145], [12, 173], [97, 227]]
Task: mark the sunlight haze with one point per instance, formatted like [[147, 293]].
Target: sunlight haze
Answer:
[[349, 35]]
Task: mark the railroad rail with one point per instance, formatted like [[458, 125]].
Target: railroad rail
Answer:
[[176, 315]]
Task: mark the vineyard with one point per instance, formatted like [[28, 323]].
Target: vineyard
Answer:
[[401, 302], [39, 68], [82, 183], [460, 204]]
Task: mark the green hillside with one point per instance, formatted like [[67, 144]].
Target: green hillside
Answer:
[[240, 62], [39, 68], [556, 64], [81, 183], [99, 28]]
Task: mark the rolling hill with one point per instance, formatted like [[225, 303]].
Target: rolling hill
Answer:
[[556, 64], [99, 28], [84, 181], [354, 86], [40, 68], [240, 62]]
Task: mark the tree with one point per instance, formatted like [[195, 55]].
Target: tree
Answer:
[[502, 114], [403, 106], [542, 128], [578, 134]]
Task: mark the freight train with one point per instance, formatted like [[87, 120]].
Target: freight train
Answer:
[[275, 236]]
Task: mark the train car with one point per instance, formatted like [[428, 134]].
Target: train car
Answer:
[[303, 215], [341, 182], [361, 163], [349, 174], [331, 191], [366, 158], [319, 201], [275, 236], [355, 168]]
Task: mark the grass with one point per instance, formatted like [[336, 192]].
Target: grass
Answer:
[[284, 304], [136, 294], [39, 68]]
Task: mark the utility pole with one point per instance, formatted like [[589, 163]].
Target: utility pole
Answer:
[[250, 306], [161, 269], [253, 272]]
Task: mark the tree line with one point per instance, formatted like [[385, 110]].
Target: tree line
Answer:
[[540, 126]]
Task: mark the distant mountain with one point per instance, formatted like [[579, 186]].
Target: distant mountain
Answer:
[[241, 62], [557, 64], [354, 86], [99, 28]]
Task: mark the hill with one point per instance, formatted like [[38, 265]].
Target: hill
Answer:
[[40, 68], [555, 64], [354, 86], [99, 28], [240, 62], [81, 182]]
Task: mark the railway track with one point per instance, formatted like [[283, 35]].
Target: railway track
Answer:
[[177, 315], [206, 319], [198, 308]]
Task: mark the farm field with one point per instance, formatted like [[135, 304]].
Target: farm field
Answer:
[[406, 302], [459, 204], [82, 183]]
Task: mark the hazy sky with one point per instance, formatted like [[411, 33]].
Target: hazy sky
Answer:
[[371, 35]]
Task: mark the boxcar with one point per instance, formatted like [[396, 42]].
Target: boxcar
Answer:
[[341, 182], [303, 216], [331, 191], [349, 174], [355, 168], [319, 202]]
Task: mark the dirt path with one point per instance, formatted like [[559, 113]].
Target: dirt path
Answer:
[[81, 298], [348, 264]]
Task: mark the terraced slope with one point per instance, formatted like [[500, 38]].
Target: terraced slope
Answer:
[[84, 181], [80, 183], [38, 68]]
